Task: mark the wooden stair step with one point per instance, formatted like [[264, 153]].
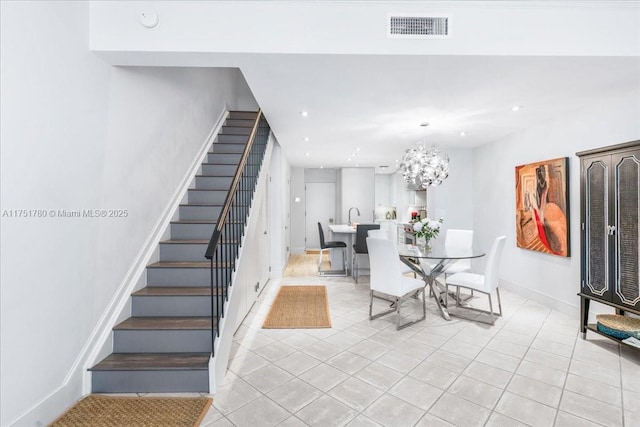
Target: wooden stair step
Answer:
[[194, 241], [173, 291], [194, 221], [218, 164], [180, 264], [164, 323], [186, 264], [153, 362], [237, 114]]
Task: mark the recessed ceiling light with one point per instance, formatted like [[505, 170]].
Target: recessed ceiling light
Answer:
[[357, 165], [358, 149], [304, 113], [463, 134], [306, 154], [349, 159], [321, 167], [306, 139], [354, 154], [517, 108]]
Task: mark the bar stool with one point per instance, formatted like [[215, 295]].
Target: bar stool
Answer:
[[331, 245], [360, 247]]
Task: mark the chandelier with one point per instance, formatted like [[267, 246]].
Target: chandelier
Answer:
[[422, 167]]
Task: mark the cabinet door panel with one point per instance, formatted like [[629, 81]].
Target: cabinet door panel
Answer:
[[626, 168], [596, 189]]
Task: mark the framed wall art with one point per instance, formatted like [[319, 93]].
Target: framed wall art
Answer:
[[542, 206]]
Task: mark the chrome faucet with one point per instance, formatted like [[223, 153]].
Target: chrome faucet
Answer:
[[350, 209]]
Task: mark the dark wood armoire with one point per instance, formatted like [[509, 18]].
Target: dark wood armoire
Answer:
[[609, 229]]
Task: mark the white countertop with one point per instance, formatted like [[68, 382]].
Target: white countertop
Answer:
[[342, 228]]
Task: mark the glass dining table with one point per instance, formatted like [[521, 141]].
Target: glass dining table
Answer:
[[431, 263]]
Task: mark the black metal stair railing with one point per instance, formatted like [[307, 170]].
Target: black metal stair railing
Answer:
[[227, 237]]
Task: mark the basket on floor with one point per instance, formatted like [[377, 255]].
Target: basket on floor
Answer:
[[618, 326]]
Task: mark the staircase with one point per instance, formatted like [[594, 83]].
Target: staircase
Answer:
[[165, 346]]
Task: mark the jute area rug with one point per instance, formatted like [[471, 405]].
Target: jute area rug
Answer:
[[299, 307], [98, 410]]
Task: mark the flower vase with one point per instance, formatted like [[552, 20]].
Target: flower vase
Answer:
[[423, 244]]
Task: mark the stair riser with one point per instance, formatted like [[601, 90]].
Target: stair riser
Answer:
[[212, 196], [178, 276], [219, 170], [161, 341], [171, 306], [250, 115], [227, 148], [235, 130], [233, 138], [240, 122], [182, 251], [200, 212], [213, 182], [191, 231], [224, 159], [178, 381]]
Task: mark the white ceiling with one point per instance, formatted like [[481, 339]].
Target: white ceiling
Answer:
[[376, 103], [365, 91]]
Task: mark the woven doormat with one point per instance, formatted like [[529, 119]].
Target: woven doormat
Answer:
[[299, 307], [98, 410]]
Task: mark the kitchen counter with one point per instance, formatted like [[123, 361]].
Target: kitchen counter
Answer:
[[342, 228]]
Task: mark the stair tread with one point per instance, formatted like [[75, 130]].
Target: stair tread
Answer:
[[180, 264], [187, 241], [193, 241], [164, 323], [194, 221], [202, 204], [152, 361], [174, 291], [230, 142]]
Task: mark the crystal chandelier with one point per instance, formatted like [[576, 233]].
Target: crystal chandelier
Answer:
[[422, 167]]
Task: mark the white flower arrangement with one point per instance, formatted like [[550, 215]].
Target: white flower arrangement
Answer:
[[427, 228]]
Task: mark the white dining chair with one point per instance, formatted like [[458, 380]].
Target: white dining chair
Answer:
[[458, 239], [387, 281], [379, 233], [484, 283], [383, 234]]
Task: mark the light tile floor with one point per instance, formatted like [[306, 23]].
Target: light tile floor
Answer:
[[531, 368]]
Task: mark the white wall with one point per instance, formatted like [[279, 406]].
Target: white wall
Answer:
[[383, 190], [279, 213], [549, 279], [79, 134], [453, 199], [297, 210], [357, 189]]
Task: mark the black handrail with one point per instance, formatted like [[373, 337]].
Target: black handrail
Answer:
[[227, 236]]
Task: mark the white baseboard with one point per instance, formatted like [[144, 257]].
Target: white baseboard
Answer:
[[546, 300]]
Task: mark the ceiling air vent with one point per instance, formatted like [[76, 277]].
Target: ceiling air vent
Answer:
[[410, 26]]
